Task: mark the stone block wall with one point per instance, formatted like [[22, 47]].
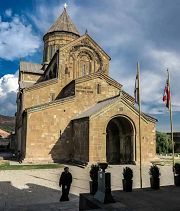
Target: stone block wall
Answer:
[[40, 93]]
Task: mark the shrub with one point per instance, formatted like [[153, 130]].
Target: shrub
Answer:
[[177, 168], [163, 143], [127, 173], [154, 171]]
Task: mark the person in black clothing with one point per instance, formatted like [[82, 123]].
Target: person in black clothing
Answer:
[[65, 181]]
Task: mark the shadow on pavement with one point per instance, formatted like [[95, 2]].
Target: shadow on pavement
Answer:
[[167, 198], [33, 194]]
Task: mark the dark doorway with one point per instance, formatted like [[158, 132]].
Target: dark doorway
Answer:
[[113, 143], [119, 141]]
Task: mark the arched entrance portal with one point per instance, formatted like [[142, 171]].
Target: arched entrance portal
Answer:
[[119, 141]]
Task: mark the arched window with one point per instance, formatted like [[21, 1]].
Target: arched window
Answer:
[[53, 51], [50, 52], [85, 65], [45, 53], [66, 70], [98, 88]]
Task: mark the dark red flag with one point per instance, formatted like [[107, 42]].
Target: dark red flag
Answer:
[[166, 96]]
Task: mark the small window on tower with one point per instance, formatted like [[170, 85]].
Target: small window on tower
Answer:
[[98, 88], [66, 70]]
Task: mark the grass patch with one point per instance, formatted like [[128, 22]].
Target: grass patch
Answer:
[[7, 166]]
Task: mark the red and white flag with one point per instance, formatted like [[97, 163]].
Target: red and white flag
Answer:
[[167, 95]]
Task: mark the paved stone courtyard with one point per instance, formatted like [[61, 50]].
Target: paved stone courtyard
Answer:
[[38, 189]]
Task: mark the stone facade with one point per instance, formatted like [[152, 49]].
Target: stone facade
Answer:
[[70, 109]]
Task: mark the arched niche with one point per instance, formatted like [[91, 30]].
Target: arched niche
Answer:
[[120, 141], [71, 67]]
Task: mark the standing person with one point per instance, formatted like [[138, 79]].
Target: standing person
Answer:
[[65, 180]]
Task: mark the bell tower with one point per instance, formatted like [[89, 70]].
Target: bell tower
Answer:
[[60, 33]]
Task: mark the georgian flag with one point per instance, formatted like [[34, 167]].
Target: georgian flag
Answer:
[[166, 95]]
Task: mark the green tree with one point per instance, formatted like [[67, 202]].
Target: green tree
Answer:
[[163, 143]]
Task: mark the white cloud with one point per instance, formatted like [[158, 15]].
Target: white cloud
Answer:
[[146, 108], [17, 39], [8, 12], [168, 59], [8, 90], [43, 22], [151, 87], [152, 81], [8, 83], [46, 12]]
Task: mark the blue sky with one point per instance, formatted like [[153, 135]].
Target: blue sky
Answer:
[[129, 31]]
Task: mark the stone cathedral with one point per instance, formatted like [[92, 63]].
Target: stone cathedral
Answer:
[[69, 108]]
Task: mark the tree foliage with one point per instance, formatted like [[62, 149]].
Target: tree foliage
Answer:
[[163, 143]]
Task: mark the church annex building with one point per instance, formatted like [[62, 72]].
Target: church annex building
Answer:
[[70, 108]]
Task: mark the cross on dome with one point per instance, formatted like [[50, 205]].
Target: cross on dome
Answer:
[[65, 6]]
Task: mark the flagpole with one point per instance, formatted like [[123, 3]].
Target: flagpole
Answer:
[[139, 102], [171, 121]]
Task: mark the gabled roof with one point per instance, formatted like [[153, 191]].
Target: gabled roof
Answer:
[[97, 107], [31, 67], [76, 41], [107, 102], [64, 24]]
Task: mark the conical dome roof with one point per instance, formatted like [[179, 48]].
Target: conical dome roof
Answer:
[[64, 24]]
